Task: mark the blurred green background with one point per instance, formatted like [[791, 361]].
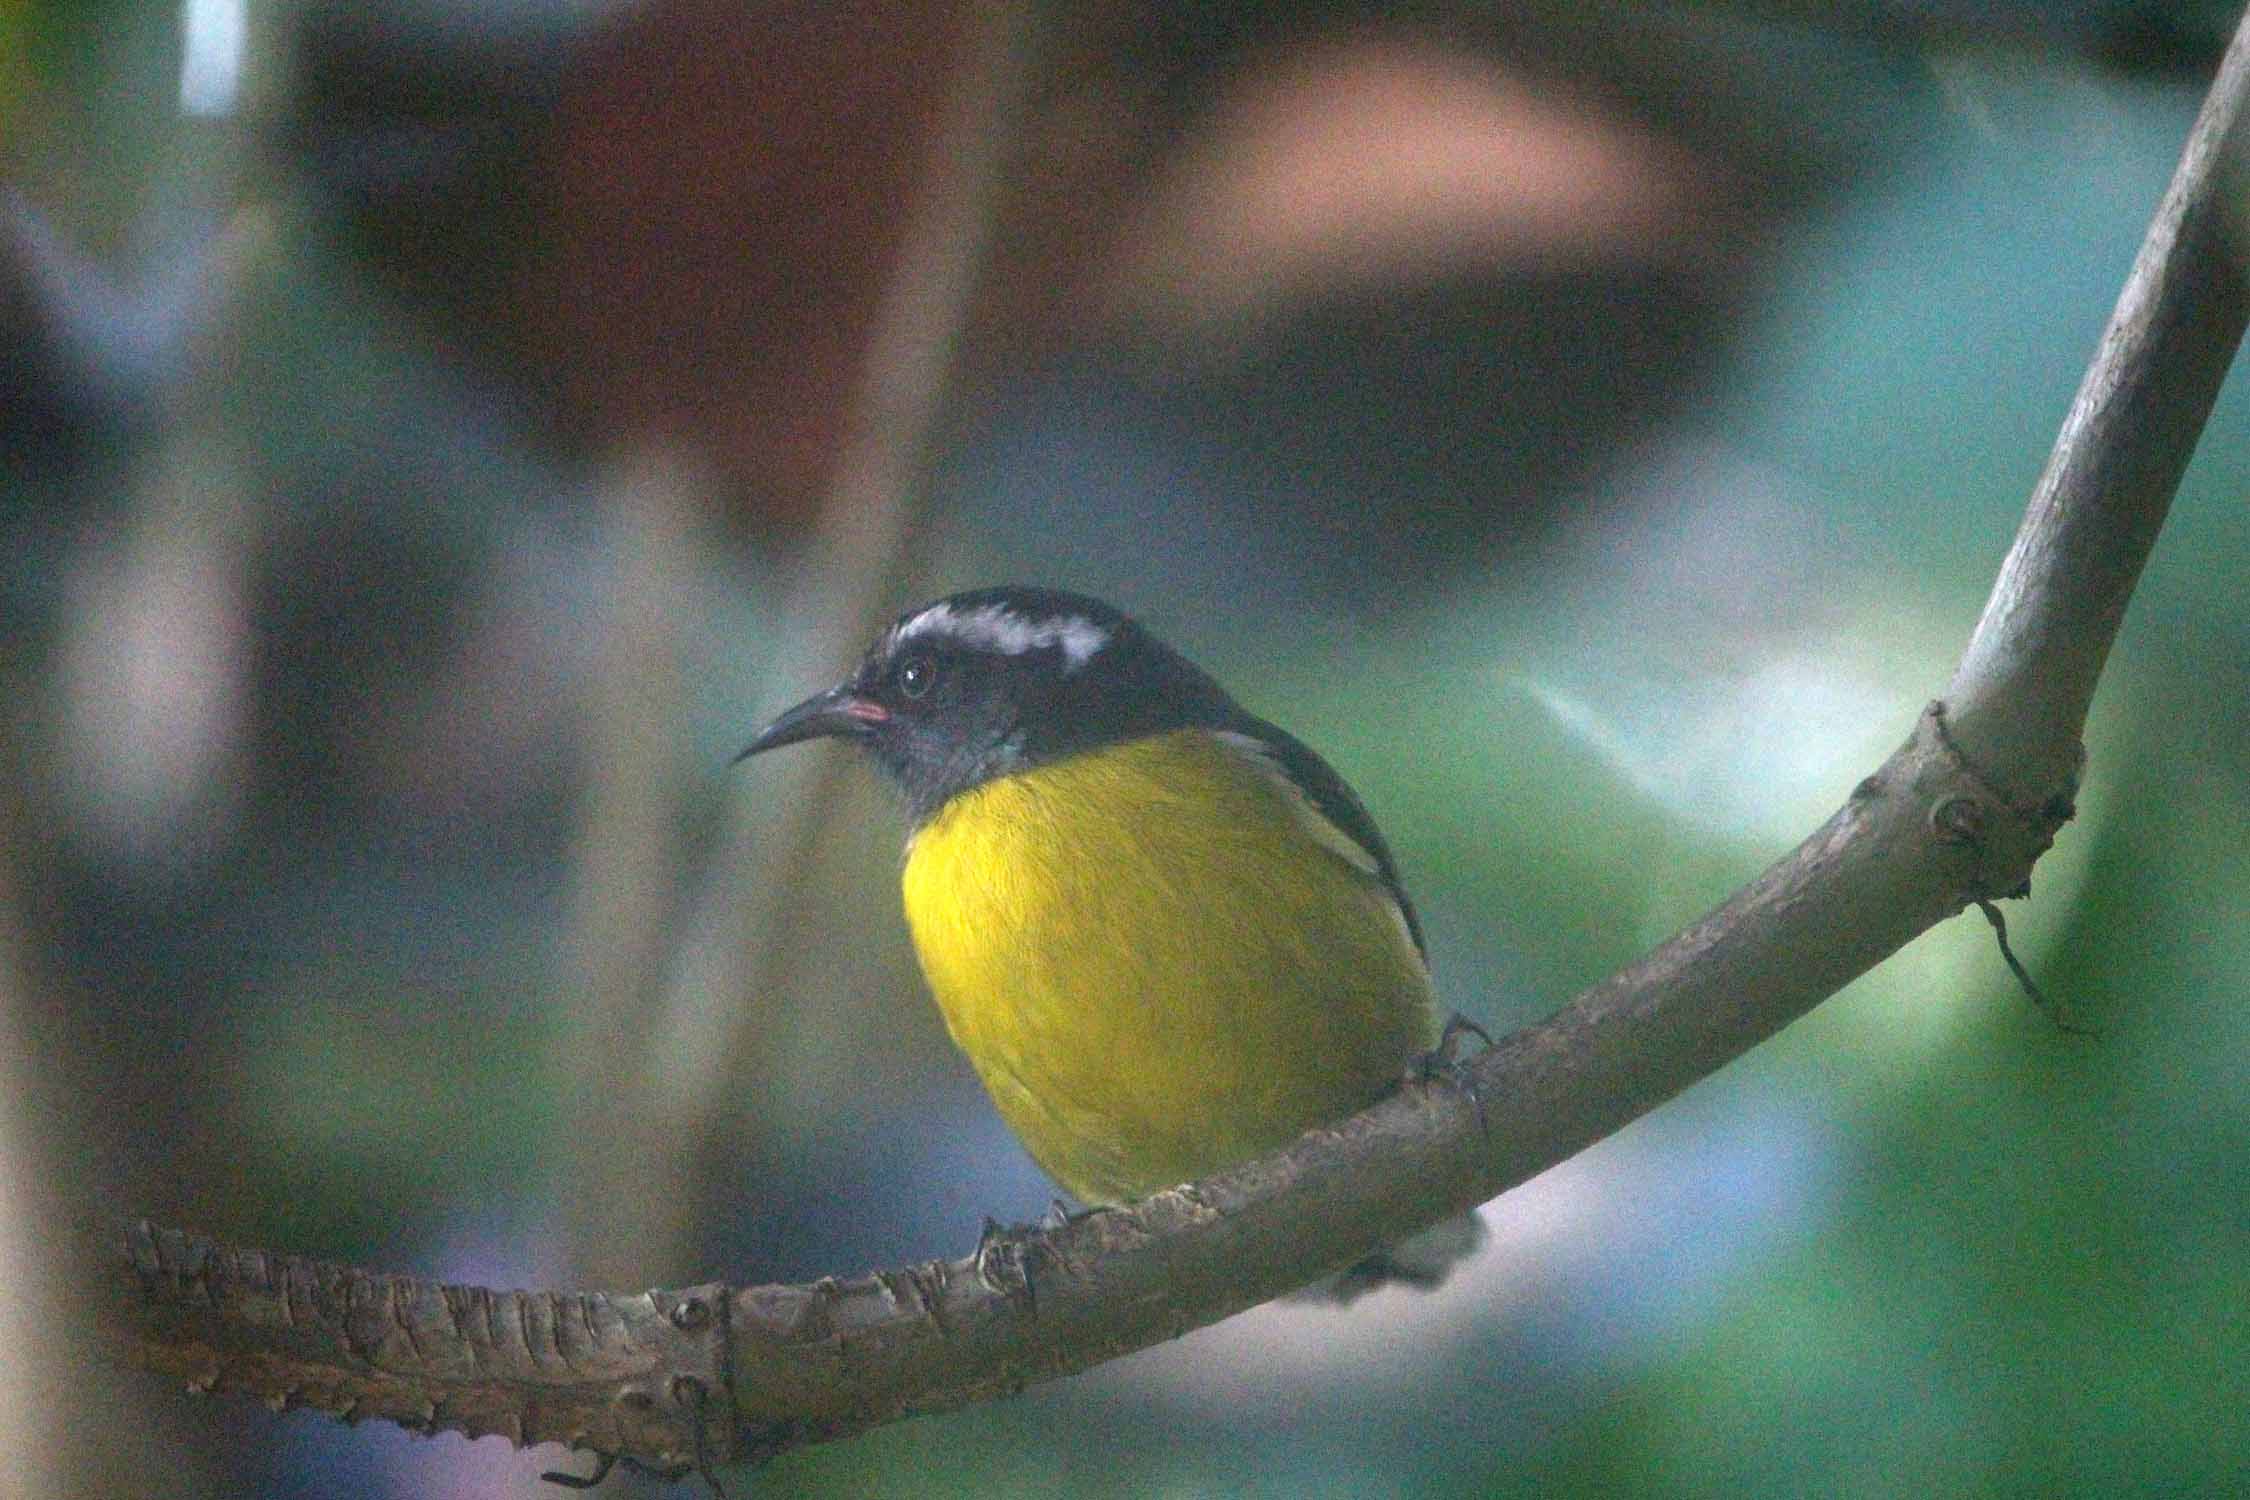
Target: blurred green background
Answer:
[[432, 438]]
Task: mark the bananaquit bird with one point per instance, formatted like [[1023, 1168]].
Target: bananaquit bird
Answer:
[[1165, 933]]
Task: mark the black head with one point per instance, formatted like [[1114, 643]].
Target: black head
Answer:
[[984, 683]]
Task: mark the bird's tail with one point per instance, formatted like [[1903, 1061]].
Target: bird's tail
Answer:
[[1420, 1261]]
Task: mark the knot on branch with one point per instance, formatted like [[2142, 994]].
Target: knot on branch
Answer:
[[2001, 833]]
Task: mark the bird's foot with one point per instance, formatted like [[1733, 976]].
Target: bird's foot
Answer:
[[1001, 1262], [1443, 1063]]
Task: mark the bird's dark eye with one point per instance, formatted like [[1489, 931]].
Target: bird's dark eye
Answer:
[[915, 674]]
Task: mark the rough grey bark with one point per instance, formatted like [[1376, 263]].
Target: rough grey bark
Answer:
[[616, 1373]]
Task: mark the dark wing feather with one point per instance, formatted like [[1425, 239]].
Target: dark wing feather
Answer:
[[1335, 801]]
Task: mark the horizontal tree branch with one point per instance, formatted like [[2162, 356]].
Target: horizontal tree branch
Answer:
[[1958, 814], [614, 1372]]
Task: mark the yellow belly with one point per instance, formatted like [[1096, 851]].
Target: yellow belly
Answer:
[[1156, 968]]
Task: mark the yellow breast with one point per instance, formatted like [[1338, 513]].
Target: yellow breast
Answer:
[[1156, 965]]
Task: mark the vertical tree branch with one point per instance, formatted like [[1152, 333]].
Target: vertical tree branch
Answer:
[[2095, 513]]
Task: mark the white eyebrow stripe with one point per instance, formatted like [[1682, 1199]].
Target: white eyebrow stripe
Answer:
[[995, 627]]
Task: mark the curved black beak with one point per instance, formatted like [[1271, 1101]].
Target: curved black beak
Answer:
[[840, 713]]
